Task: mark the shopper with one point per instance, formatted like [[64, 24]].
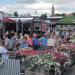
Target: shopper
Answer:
[[51, 42], [35, 41], [7, 42], [24, 43], [43, 40], [29, 40], [3, 51]]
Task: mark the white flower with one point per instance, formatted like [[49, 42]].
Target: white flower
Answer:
[[57, 64], [39, 60]]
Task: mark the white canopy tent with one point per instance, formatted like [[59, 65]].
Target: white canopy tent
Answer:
[[22, 19]]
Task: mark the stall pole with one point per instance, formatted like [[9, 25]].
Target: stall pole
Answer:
[[16, 26], [22, 27]]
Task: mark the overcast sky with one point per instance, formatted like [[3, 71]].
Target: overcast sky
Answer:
[[41, 6]]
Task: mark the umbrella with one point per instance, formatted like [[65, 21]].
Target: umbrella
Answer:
[[7, 20]]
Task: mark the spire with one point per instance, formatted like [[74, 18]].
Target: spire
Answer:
[[53, 11]]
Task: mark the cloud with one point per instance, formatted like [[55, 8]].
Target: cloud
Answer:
[[26, 1], [47, 1], [60, 5], [41, 6], [26, 8], [57, 1]]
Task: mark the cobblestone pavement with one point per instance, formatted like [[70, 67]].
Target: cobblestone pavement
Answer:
[[70, 71]]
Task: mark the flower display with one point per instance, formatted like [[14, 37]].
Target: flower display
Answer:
[[48, 60], [41, 61]]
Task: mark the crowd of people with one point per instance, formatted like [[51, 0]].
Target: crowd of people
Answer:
[[13, 41]]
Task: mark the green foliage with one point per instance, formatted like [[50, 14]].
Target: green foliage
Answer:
[[57, 14], [16, 14], [73, 13], [38, 62], [67, 19], [44, 16]]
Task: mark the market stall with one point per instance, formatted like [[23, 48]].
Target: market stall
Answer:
[[47, 61]]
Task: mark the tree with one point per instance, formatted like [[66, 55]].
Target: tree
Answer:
[[44, 16], [73, 13], [58, 14], [16, 14]]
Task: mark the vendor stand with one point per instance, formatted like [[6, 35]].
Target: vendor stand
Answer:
[[47, 61]]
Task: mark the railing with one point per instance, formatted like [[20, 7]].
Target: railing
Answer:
[[10, 67]]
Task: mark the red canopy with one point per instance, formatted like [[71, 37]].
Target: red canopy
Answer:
[[7, 20]]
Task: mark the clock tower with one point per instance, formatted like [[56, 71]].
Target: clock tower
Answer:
[[53, 11]]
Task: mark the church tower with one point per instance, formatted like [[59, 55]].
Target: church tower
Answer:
[[53, 11]]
